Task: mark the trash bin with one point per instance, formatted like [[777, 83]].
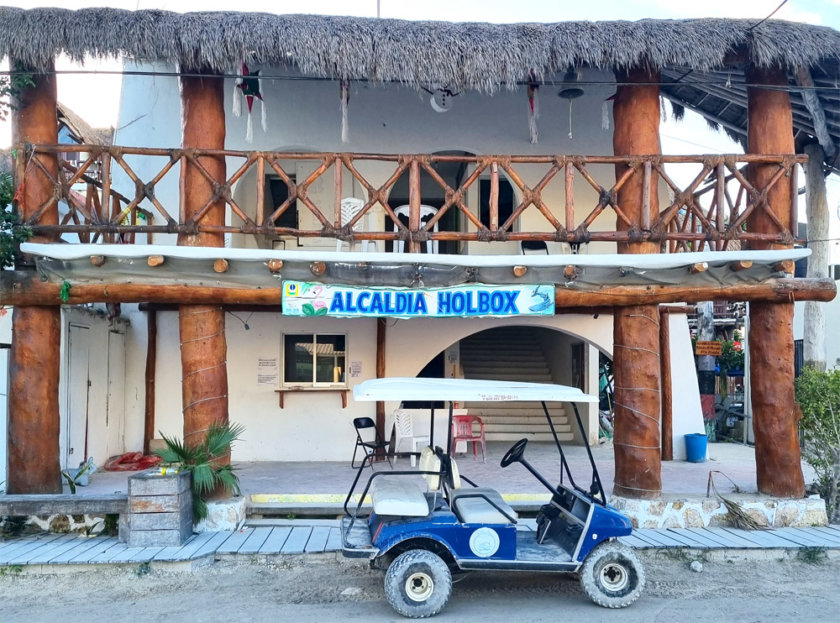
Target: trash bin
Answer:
[[695, 447]]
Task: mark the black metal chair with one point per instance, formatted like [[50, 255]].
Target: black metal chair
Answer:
[[367, 438]]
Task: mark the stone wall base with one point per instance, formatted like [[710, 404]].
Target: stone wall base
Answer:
[[685, 512], [222, 515]]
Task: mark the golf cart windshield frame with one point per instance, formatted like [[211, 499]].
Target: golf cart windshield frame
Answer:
[[452, 390]]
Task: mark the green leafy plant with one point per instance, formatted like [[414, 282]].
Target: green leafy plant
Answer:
[[74, 477], [204, 460], [818, 395], [12, 233], [10, 570]]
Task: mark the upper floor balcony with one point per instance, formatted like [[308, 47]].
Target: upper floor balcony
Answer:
[[450, 202]]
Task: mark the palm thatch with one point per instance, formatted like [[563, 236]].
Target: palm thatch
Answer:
[[478, 56]]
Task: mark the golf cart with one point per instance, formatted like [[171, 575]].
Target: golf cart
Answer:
[[424, 525]]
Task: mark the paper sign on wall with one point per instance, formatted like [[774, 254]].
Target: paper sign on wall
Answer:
[[268, 371]]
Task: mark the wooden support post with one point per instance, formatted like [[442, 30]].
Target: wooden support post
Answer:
[[414, 222], [202, 327], [636, 328], [34, 423], [667, 449], [775, 414], [381, 328], [151, 367], [818, 234]]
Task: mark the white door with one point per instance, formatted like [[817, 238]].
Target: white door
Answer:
[[115, 408], [78, 391]]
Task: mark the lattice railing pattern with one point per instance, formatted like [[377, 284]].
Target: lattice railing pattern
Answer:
[[709, 212]]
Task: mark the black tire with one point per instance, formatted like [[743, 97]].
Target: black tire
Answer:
[[612, 575], [418, 584]]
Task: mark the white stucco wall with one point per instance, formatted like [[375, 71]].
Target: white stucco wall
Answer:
[[687, 416], [312, 425], [304, 116]]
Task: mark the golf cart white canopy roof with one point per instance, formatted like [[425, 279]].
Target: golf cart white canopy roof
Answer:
[[405, 388]]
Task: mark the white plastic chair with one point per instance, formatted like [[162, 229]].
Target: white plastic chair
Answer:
[[404, 430], [426, 213], [350, 207]]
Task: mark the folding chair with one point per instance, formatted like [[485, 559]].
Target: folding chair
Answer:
[[367, 438]]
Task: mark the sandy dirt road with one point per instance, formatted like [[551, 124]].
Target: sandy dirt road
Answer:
[[326, 588]]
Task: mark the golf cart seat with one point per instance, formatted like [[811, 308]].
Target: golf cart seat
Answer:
[[477, 504], [402, 497]]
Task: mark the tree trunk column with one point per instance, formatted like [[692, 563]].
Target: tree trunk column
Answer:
[[818, 233], [204, 386], [636, 329], [775, 415], [34, 421]]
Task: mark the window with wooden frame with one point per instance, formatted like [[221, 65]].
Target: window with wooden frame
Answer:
[[314, 360]]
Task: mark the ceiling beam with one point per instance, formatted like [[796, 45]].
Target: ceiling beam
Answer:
[[814, 106]]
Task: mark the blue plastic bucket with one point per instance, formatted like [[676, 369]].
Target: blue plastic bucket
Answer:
[[695, 447]]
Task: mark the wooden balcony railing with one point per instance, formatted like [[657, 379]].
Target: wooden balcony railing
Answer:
[[710, 212]]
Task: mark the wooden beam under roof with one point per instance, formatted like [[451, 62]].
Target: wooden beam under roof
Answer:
[[812, 102]]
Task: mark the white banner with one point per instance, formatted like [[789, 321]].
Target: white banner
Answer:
[[304, 298]]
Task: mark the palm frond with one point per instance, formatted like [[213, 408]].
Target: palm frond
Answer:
[[199, 508], [220, 436], [203, 479], [175, 451], [226, 476]]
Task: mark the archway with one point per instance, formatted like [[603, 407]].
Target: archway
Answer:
[[560, 349]]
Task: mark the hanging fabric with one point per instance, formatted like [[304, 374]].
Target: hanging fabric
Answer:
[[533, 107], [249, 86], [344, 93]]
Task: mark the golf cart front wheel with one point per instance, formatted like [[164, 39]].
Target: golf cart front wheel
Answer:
[[612, 575], [418, 584]]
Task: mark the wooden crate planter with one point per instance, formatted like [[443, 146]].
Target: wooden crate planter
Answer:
[[159, 508]]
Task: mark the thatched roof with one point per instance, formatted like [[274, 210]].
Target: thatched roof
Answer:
[[477, 56], [701, 60], [82, 131]]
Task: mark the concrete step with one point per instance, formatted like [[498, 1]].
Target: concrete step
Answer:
[[522, 419], [519, 378], [530, 436], [525, 428]]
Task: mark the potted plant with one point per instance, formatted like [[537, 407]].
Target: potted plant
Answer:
[[211, 477]]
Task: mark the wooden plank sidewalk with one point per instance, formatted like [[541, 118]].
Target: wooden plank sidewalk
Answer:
[[288, 537]]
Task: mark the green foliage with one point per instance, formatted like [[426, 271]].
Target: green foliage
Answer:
[[74, 479], [731, 357], [11, 232], [818, 395], [10, 570], [203, 461], [12, 86]]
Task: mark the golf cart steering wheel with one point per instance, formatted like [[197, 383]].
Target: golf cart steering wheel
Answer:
[[515, 453]]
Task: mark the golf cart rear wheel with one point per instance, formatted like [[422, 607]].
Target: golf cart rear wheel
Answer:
[[612, 575], [418, 584]]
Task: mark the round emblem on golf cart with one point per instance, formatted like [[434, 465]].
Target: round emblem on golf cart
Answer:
[[484, 542]]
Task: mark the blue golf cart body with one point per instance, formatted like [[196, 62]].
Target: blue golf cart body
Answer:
[[429, 523]]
